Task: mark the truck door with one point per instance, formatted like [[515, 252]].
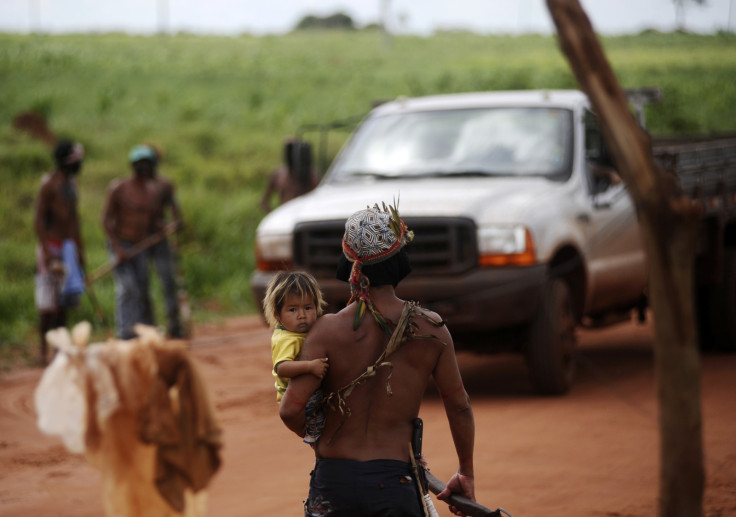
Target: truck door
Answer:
[[616, 258]]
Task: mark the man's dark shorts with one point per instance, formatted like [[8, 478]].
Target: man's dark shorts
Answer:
[[376, 488]]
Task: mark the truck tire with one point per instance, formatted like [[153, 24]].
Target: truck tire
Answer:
[[722, 308], [550, 351]]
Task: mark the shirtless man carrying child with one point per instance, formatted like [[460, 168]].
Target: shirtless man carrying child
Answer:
[[379, 370]]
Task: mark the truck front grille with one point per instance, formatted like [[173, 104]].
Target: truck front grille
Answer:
[[440, 245]]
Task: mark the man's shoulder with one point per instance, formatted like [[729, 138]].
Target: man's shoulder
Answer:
[[46, 177], [51, 179], [118, 183], [429, 323], [418, 309], [334, 324], [281, 177], [333, 319], [47, 184], [164, 182]]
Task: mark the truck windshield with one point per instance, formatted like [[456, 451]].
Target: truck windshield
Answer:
[[467, 142]]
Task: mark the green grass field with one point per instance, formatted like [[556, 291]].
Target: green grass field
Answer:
[[220, 107]]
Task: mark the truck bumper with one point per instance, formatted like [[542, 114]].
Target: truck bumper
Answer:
[[482, 300]]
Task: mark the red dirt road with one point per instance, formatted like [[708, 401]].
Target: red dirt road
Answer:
[[590, 453]]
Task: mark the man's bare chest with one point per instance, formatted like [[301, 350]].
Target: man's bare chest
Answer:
[[137, 199]]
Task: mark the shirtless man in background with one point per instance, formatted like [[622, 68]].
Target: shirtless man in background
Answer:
[[130, 211], [295, 177], [364, 447], [60, 259]]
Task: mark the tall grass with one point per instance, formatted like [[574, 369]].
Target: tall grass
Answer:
[[220, 107]]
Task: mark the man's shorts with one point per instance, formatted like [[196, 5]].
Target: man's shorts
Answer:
[[55, 291], [376, 488]]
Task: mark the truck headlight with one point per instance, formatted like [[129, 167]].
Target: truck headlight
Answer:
[[505, 246], [273, 252]]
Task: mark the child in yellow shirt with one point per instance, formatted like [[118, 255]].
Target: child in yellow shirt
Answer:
[[292, 304]]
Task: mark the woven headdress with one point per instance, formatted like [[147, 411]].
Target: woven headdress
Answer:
[[371, 236]]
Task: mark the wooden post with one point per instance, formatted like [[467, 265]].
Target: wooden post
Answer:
[[669, 221]]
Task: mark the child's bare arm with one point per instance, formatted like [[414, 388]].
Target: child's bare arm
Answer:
[[291, 369]]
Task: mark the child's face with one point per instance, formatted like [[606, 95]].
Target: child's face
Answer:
[[298, 313]]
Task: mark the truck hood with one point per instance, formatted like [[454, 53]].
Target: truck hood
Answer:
[[501, 200]]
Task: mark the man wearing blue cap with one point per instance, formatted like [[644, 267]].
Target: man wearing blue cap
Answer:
[[129, 214]]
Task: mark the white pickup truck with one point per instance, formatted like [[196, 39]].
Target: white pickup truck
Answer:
[[523, 231]]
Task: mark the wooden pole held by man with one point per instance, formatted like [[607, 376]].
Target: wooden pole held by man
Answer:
[[139, 248]]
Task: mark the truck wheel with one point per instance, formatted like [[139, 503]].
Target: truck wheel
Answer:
[[550, 352], [722, 307]]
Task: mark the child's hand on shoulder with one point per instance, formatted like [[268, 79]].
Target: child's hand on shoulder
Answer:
[[318, 367]]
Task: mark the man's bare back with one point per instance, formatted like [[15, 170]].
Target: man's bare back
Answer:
[[380, 424]]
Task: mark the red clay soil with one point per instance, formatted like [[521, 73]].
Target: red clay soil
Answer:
[[590, 453]]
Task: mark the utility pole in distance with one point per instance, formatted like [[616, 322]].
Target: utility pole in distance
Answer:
[[163, 16], [386, 35], [34, 16]]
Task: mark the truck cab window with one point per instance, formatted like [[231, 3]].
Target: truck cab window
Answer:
[[487, 141]]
